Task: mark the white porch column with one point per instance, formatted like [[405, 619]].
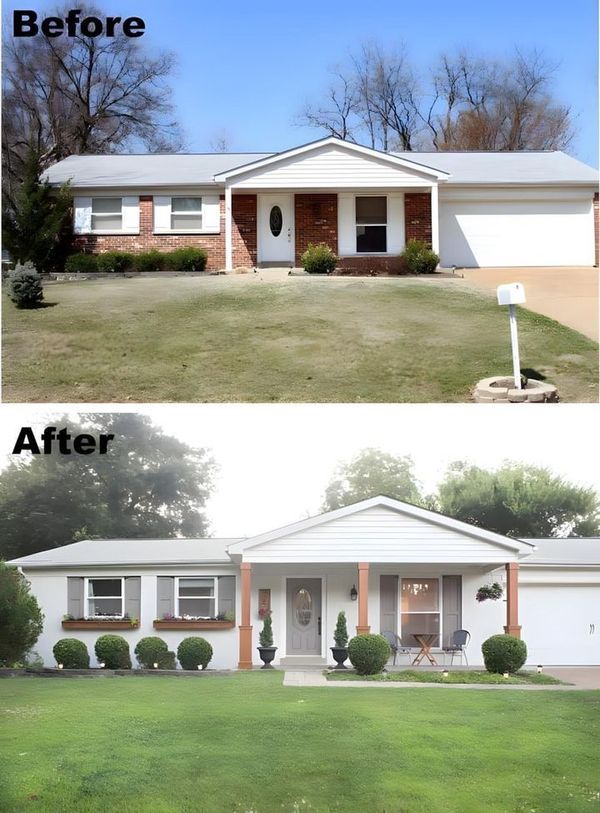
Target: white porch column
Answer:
[[435, 220], [228, 230]]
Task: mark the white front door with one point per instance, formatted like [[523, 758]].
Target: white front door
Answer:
[[276, 229]]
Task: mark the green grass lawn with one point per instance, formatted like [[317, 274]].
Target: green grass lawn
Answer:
[[245, 743], [249, 339], [458, 676]]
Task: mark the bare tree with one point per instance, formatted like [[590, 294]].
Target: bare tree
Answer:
[[220, 141], [337, 116]]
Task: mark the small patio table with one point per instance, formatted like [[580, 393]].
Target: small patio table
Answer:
[[425, 640]]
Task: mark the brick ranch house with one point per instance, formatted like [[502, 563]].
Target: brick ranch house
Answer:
[[474, 209]]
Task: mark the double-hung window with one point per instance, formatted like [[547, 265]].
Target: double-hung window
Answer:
[[371, 224], [104, 598], [186, 214], [196, 597], [420, 608], [107, 214]]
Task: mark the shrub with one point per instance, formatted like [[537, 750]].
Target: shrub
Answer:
[[187, 259], [73, 654], [504, 653], [149, 261], [21, 620], [340, 635], [148, 651], [25, 286], [368, 653], [113, 652], [194, 652], [166, 660], [115, 262], [419, 258], [318, 259], [81, 264], [266, 634]]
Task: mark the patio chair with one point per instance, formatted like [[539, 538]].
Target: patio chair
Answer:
[[396, 645], [458, 646]]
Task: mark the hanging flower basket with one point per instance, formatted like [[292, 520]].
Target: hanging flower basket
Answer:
[[491, 592]]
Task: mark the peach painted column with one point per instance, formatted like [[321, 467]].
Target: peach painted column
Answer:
[[363, 599], [512, 600], [245, 627]]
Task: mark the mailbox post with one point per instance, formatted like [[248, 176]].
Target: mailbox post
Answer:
[[513, 294]]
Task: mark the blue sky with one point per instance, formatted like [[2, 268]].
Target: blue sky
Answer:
[[247, 68]]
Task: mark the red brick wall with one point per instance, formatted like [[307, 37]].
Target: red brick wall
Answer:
[[417, 216], [596, 225], [316, 221], [366, 264], [146, 240], [244, 215]]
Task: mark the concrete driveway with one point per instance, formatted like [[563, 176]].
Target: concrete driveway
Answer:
[[569, 295]]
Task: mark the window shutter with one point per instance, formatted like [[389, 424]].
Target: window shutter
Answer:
[[165, 596], [346, 225], [211, 213], [388, 604], [82, 215], [75, 597], [162, 213], [226, 595], [451, 606], [131, 214], [133, 593]]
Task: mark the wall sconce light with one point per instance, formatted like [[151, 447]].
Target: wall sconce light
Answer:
[[353, 593], [539, 668]]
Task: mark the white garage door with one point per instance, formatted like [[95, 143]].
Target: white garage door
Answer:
[[513, 233], [561, 623]]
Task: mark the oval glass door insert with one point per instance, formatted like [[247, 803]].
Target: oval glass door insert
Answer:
[[276, 221], [303, 607]]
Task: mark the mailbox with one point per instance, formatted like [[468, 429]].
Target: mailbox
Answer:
[[511, 294]]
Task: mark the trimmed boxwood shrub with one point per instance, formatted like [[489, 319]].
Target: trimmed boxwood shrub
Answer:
[[148, 651], [193, 652], [186, 259], [113, 652], [81, 264], [368, 653], [114, 262], [166, 660], [25, 286], [72, 653], [418, 258], [318, 259], [504, 653], [150, 261]]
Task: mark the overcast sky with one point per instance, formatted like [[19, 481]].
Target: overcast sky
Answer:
[[275, 460]]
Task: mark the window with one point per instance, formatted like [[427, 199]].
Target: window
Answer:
[[196, 597], [104, 598], [107, 214], [420, 608], [186, 214], [371, 225]]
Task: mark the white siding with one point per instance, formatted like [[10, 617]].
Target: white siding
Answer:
[[378, 535], [347, 223], [330, 166]]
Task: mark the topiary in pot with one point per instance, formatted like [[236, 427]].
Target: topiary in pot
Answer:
[[25, 286], [368, 653], [113, 652], [266, 650], [340, 636], [148, 651], [504, 653], [71, 653], [194, 652]]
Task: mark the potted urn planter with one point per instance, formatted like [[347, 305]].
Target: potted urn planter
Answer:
[[266, 650], [340, 636]]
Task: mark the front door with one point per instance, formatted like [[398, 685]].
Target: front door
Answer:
[[276, 229], [303, 616]]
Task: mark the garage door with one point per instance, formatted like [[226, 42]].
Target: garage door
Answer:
[[512, 233], [561, 623]]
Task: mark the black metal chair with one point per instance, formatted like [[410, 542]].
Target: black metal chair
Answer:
[[396, 645], [460, 641]]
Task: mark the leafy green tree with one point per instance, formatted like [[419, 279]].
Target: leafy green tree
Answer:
[[21, 620], [370, 473], [34, 224], [519, 501], [148, 485]]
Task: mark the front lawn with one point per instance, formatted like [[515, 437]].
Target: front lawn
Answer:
[[458, 676], [250, 339], [184, 745]]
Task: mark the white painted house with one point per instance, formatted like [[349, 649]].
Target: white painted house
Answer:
[[389, 565]]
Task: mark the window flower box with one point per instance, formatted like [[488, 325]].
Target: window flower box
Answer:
[[100, 624], [197, 624]]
